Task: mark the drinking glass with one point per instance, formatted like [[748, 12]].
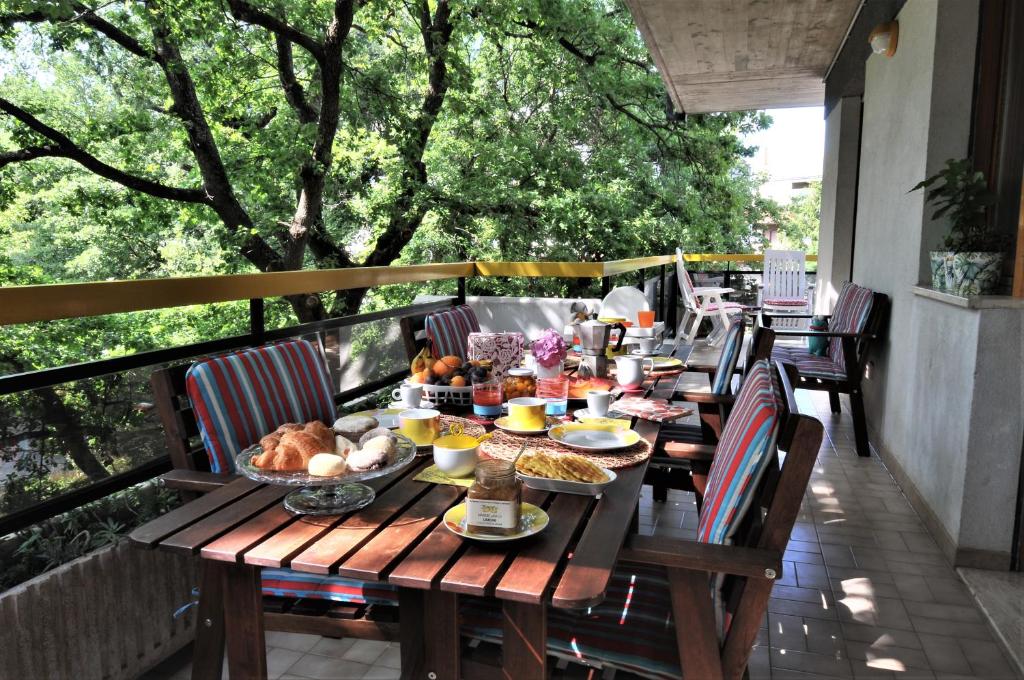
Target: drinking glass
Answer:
[[487, 399], [556, 392]]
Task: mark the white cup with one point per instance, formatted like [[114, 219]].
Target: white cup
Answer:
[[598, 402], [630, 371], [409, 394], [648, 345]]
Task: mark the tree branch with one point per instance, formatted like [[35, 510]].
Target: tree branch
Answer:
[[243, 11], [86, 15], [68, 149], [293, 92], [29, 153]]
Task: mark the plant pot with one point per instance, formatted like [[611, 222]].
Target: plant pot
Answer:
[[941, 263], [975, 273]]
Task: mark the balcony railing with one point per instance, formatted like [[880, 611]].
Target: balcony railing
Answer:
[[33, 304]]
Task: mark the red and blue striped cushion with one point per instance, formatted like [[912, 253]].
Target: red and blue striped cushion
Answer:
[[743, 453], [448, 331], [240, 397], [290, 583], [809, 365], [849, 316], [632, 630], [728, 358]]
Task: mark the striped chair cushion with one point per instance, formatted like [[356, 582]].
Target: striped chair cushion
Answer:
[[785, 302], [849, 316], [448, 331], [631, 631], [809, 365], [240, 397], [727, 306], [727, 359], [289, 583], [743, 453]]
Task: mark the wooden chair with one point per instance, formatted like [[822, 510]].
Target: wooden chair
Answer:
[[446, 330], [311, 612], [714, 401], [699, 303], [784, 289], [857, 320], [715, 589]]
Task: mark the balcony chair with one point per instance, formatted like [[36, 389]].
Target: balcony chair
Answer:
[[218, 406], [692, 609], [784, 289], [714, 400], [445, 331], [856, 321], [702, 302]]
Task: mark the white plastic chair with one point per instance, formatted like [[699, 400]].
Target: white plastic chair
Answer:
[[784, 289], [702, 302]]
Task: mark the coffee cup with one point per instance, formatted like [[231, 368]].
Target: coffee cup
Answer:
[[527, 413], [409, 395], [648, 345], [422, 425], [598, 402]]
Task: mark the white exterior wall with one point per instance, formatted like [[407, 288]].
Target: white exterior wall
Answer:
[[942, 404]]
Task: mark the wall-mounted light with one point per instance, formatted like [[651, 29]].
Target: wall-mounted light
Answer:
[[884, 37]]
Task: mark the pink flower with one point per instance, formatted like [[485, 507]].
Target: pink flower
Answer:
[[549, 349]]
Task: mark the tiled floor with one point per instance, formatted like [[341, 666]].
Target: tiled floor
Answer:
[[865, 592]]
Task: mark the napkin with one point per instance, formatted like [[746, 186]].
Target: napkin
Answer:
[[434, 475], [658, 410]]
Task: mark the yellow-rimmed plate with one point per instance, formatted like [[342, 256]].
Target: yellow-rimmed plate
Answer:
[[532, 521], [503, 423], [592, 437], [665, 363], [386, 417]]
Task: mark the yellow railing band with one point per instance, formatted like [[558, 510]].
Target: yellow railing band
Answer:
[[587, 270]]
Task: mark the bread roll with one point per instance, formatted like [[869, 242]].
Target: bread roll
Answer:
[[326, 465]]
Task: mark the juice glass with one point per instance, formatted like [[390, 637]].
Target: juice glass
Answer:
[[556, 392], [487, 399]]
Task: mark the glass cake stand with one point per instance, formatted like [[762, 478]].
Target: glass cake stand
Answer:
[[326, 495]]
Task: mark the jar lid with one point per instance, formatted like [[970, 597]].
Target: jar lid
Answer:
[[520, 372]]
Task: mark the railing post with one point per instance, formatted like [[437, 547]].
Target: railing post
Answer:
[[640, 283], [257, 322], [606, 285], [661, 292], [673, 308], [460, 295], [727, 280]]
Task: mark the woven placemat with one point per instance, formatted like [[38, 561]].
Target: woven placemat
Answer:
[[505, 445], [468, 426]]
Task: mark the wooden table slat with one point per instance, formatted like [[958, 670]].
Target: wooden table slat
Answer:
[[398, 538], [153, 532], [528, 577], [231, 546], [479, 568], [338, 543], [279, 549], [424, 565], [194, 537]]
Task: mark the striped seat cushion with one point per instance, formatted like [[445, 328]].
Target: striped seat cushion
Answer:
[[632, 630], [240, 397], [728, 358], [849, 316], [448, 331], [290, 583], [727, 306], [743, 453], [809, 365]]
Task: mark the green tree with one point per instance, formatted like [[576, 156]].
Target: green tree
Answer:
[[800, 221]]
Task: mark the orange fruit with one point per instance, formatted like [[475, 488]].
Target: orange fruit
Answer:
[[458, 381], [452, 361], [442, 368]]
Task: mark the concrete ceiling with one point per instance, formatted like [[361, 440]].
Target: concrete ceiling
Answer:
[[736, 55]]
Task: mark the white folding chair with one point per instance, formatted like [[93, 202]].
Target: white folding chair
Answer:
[[702, 302], [784, 288]]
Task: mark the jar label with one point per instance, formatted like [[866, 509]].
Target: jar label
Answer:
[[496, 514]]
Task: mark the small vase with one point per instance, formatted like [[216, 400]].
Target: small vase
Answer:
[[548, 371], [975, 273], [941, 260]]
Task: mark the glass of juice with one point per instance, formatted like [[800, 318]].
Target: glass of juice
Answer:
[[556, 392], [487, 399]]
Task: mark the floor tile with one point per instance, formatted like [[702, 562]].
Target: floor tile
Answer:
[[319, 667]]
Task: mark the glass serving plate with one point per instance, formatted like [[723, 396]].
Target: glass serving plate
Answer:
[[326, 495]]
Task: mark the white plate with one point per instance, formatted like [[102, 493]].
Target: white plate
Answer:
[[641, 353], [612, 413], [401, 407], [593, 437], [565, 486], [386, 417], [532, 521], [502, 424]]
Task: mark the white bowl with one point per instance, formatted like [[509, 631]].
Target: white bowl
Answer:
[[456, 462]]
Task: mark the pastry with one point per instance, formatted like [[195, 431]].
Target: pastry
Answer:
[[291, 454], [570, 467], [378, 432], [326, 465], [354, 427], [375, 454], [322, 433], [342, 446]]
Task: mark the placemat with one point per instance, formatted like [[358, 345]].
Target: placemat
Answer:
[[468, 426], [505, 445]]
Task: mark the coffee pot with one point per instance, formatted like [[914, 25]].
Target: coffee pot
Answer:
[[594, 336]]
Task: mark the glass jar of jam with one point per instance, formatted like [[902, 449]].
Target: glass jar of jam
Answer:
[[519, 383], [494, 502]]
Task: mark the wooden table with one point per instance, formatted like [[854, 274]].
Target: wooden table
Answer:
[[243, 526]]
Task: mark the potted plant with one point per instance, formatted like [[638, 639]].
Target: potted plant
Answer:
[[549, 352], [973, 261]]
